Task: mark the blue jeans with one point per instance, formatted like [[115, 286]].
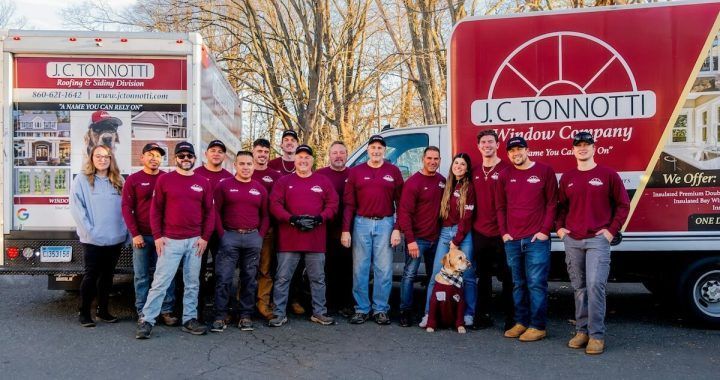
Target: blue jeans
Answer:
[[469, 278], [144, 260], [529, 264], [427, 252], [371, 245], [176, 251]]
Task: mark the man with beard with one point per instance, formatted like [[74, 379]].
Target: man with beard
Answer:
[[285, 164], [182, 217]]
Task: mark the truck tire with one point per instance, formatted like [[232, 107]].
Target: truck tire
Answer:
[[701, 291]]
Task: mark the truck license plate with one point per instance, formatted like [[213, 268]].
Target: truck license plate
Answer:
[[56, 254]]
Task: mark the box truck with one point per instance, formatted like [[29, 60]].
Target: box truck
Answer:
[[645, 81], [162, 87]]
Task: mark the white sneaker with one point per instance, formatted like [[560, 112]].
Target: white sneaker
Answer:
[[469, 320], [423, 322]]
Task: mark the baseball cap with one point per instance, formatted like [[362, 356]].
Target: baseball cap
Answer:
[[153, 146], [304, 148], [217, 143], [516, 141], [184, 146], [290, 132], [377, 139], [583, 136], [101, 120]]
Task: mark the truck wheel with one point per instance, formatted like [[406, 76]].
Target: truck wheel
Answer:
[[701, 291]]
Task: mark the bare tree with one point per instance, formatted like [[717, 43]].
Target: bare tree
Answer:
[[8, 17]]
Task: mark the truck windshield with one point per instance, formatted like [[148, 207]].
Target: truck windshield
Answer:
[[405, 151]]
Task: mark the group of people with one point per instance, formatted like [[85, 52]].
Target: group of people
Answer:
[[340, 222]]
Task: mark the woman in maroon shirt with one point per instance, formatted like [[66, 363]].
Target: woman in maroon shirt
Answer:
[[456, 210]]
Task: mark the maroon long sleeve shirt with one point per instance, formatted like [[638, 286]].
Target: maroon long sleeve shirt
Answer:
[[213, 177], [464, 223], [419, 211], [338, 180], [590, 201], [282, 167], [526, 201], [136, 199], [182, 207], [241, 205], [484, 182], [266, 177], [371, 192]]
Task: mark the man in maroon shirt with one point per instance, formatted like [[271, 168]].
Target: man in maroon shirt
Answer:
[[372, 192], [419, 220], [136, 199], [338, 261], [182, 217], [267, 177], [488, 247], [302, 203], [212, 170], [285, 164], [242, 221], [593, 206], [526, 197]]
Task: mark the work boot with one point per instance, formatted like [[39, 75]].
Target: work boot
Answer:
[[532, 335], [580, 340], [515, 331], [143, 331], [296, 308], [265, 311], [322, 319], [168, 320], [595, 346], [405, 318], [194, 327]]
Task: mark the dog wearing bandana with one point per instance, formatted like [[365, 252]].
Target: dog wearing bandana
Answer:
[[447, 302]]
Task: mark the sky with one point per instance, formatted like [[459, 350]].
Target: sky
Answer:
[[45, 14]]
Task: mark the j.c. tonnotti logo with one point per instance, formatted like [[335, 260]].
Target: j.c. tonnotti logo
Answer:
[[22, 214], [562, 99]]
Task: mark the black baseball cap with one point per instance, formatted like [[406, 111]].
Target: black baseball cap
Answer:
[[583, 136], [516, 141], [304, 148], [290, 132], [217, 143], [153, 146], [377, 139], [184, 146]]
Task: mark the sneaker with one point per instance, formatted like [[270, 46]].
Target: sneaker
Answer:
[[515, 331], [595, 346], [405, 318], [168, 320], [245, 324], [532, 335], [322, 319], [86, 321], [359, 318], [277, 321], [484, 321], [194, 327], [580, 340], [218, 326], [143, 331], [296, 308], [469, 320], [381, 318], [423, 321], [106, 317], [347, 312]]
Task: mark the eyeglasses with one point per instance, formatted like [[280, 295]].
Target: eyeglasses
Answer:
[[101, 157], [183, 156]]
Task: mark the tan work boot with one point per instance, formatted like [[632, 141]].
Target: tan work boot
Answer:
[[265, 311], [515, 331], [296, 308], [532, 335], [595, 347], [580, 340]]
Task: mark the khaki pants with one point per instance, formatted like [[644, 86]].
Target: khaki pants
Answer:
[[264, 277]]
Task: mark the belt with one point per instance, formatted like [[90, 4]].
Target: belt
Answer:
[[373, 217], [242, 231]]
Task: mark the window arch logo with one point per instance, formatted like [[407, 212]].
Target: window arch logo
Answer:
[[558, 94], [22, 214]]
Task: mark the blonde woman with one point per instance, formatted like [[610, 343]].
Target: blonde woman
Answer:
[[456, 210], [95, 205]]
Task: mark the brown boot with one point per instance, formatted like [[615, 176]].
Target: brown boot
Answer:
[[296, 308], [595, 347], [580, 340], [265, 311], [515, 331], [168, 320], [532, 335]]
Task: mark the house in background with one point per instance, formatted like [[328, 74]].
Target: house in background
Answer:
[[40, 139], [156, 125]]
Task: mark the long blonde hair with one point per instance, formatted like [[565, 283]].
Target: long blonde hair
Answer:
[[452, 182], [113, 175]]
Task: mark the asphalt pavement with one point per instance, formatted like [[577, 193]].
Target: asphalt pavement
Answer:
[[40, 338]]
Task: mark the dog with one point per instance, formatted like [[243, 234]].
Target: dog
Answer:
[[103, 130], [447, 301]]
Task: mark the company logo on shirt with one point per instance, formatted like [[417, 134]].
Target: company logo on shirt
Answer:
[[267, 178], [571, 184], [495, 176], [290, 186], [456, 194], [469, 207], [513, 180], [388, 178], [596, 182], [254, 191], [533, 179], [441, 185], [234, 190], [317, 189], [145, 184], [197, 188], [366, 178]]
